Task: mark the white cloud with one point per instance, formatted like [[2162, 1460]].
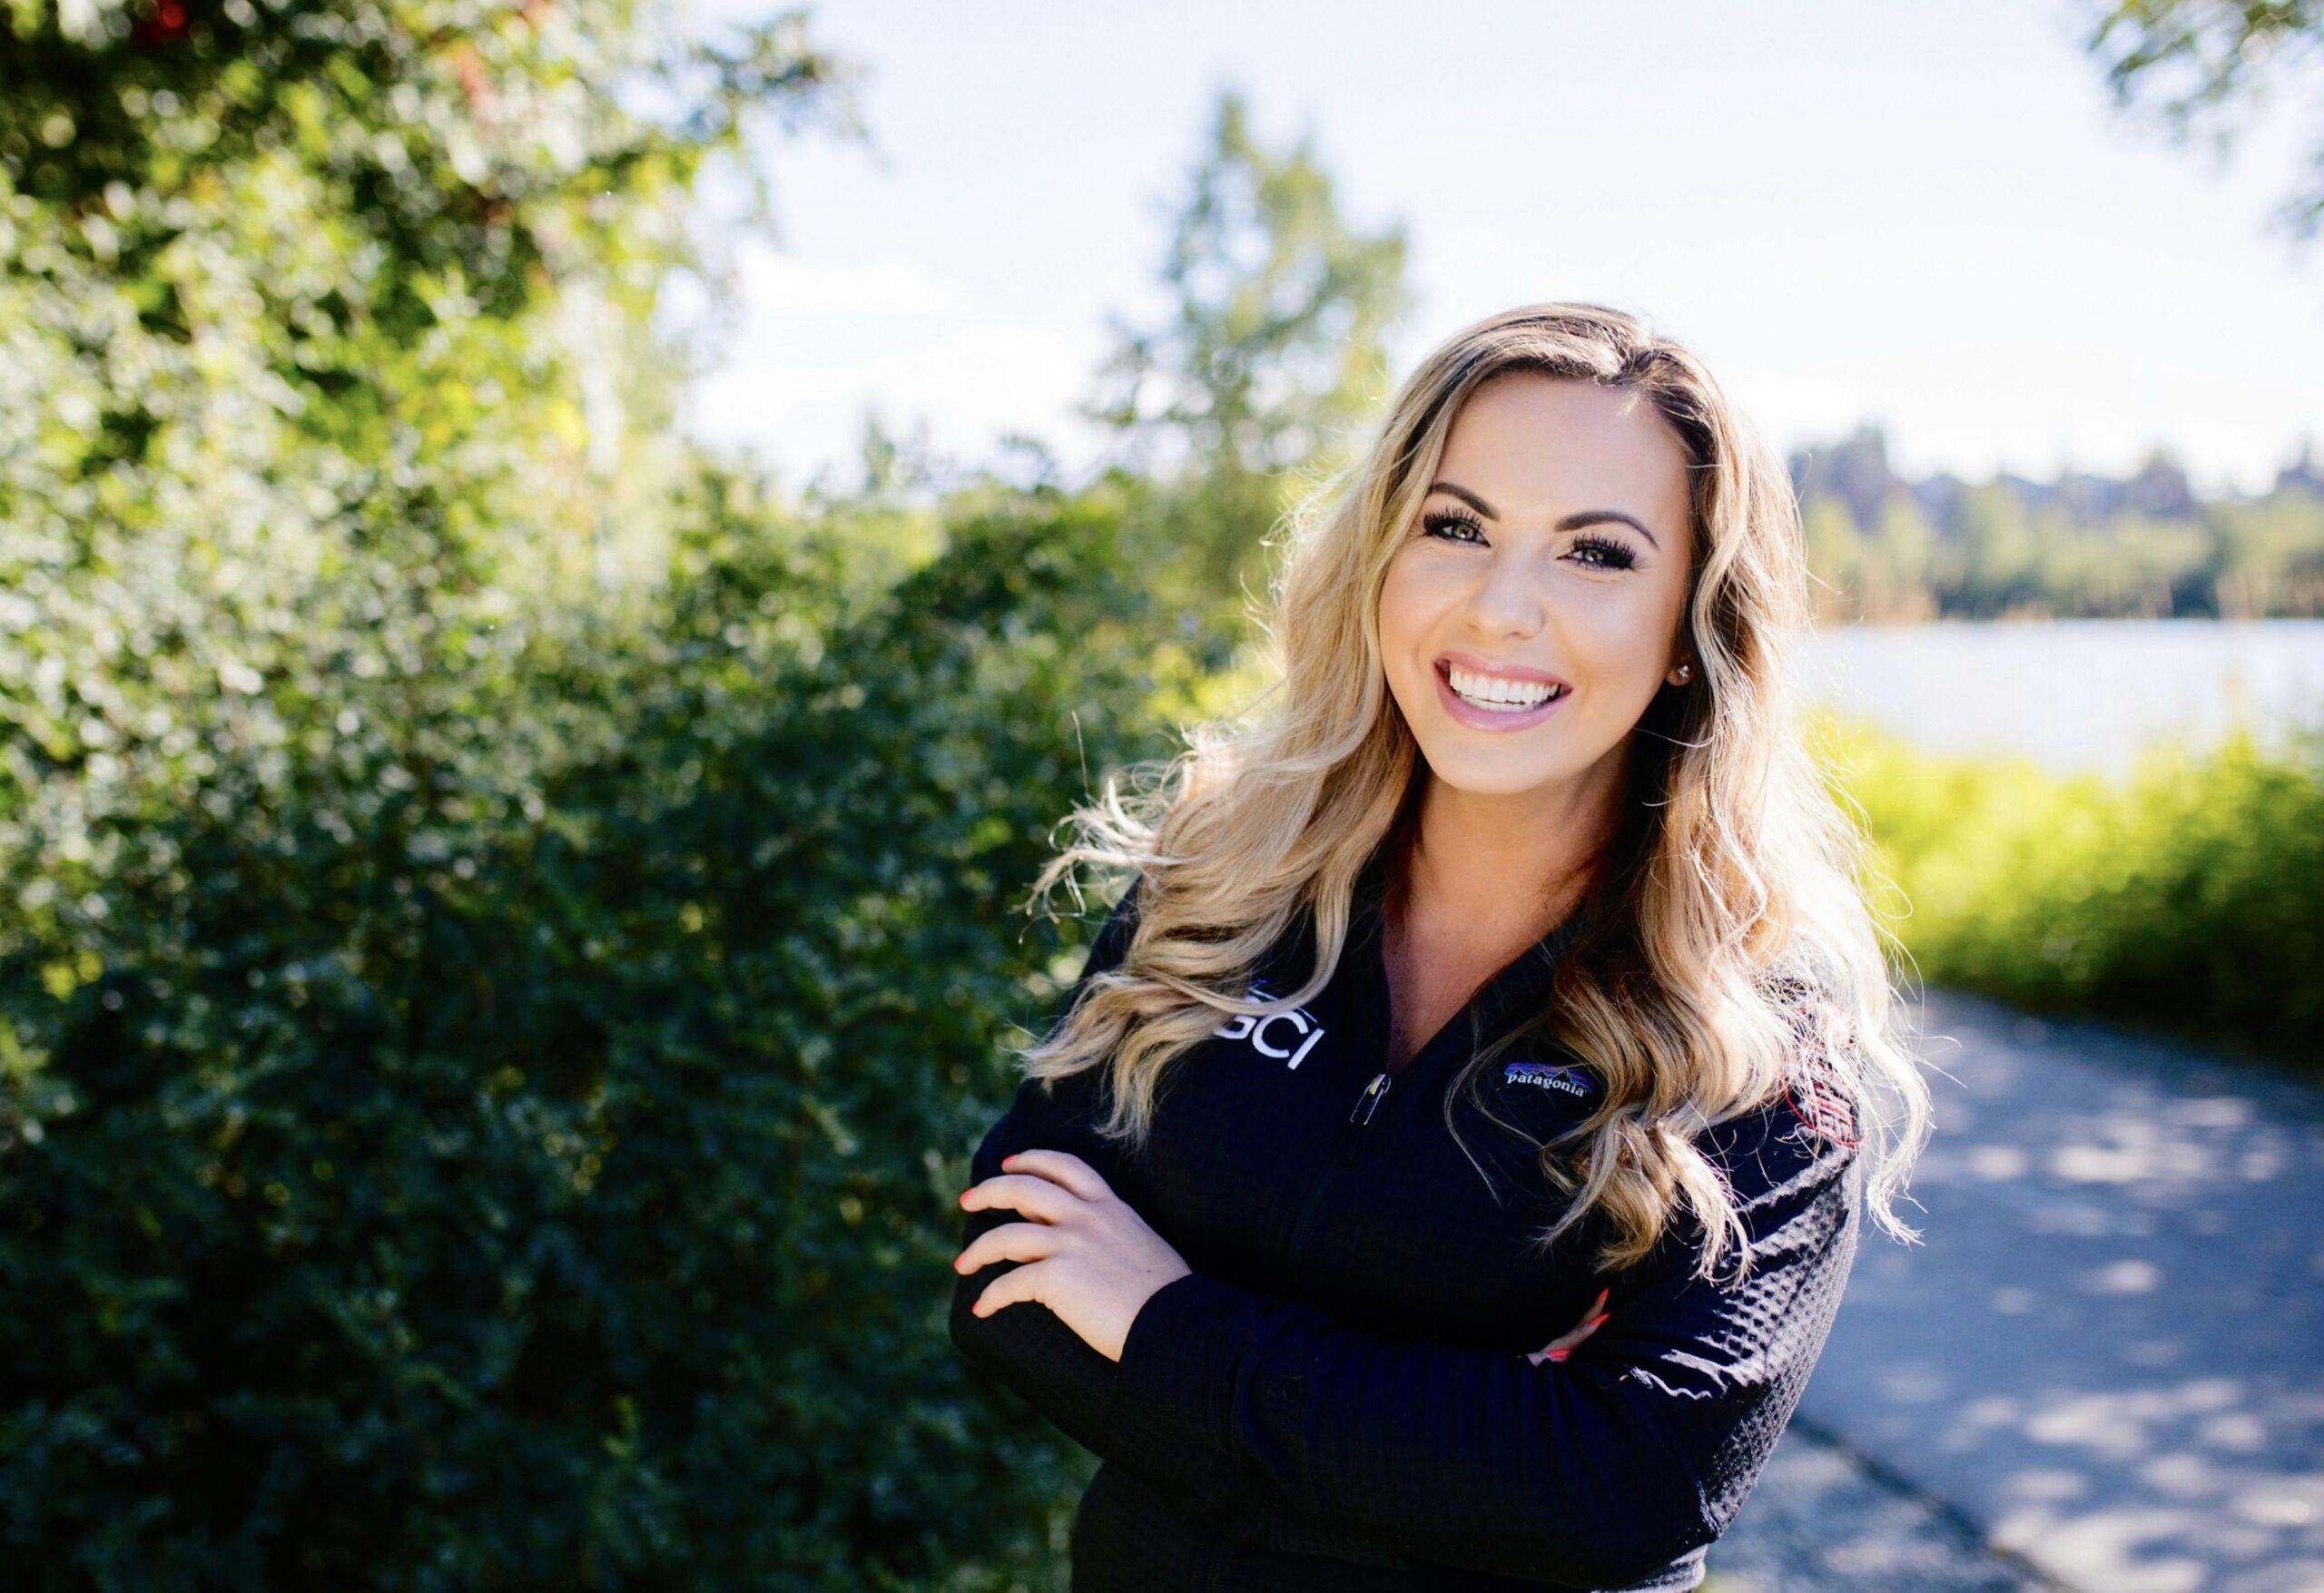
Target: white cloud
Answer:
[[780, 285], [1794, 410], [820, 341]]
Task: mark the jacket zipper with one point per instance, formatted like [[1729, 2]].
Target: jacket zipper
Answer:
[[1344, 1144]]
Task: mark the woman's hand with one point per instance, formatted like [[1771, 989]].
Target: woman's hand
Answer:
[[1089, 1257], [1557, 1349]]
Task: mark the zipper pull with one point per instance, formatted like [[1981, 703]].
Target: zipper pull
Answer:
[[1369, 1101]]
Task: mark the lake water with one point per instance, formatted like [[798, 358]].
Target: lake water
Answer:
[[2073, 694]]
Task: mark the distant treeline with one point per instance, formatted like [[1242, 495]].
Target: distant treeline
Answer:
[[1887, 550]]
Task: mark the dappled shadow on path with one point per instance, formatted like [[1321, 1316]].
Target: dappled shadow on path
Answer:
[[2106, 1351]]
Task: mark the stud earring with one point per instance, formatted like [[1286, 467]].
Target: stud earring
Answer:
[[1686, 672]]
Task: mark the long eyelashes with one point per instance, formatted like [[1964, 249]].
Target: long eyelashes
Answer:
[[1609, 554]]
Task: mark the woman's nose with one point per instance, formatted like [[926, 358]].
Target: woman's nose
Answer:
[[1508, 600]]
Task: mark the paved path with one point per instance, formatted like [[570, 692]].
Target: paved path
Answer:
[[2106, 1356], [1822, 1520]]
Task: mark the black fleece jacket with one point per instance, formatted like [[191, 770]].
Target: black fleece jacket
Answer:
[[1339, 1396]]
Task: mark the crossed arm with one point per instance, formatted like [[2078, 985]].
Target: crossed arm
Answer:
[[1594, 1471], [1028, 1348]]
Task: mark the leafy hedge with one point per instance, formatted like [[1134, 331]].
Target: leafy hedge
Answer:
[[2189, 897], [504, 938], [531, 1162]]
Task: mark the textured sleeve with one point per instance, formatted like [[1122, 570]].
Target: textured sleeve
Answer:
[[1026, 1346], [1596, 1471]]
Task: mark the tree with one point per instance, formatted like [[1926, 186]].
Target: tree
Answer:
[[1901, 559], [1856, 470], [1273, 355], [2210, 57], [322, 331], [1836, 560], [1999, 550], [319, 272]]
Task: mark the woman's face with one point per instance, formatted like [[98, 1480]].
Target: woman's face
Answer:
[[1550, 556]]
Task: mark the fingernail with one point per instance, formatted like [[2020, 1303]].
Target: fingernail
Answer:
[[1593, 1322], [1558, 1354], [1006, 1160], [964, 1194]]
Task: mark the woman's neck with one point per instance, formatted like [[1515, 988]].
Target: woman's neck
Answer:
[[1487, 874]]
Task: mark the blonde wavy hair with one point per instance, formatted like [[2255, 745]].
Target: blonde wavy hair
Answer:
[[1726, 952]]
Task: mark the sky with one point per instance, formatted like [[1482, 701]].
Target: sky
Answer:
[[1929, 219]]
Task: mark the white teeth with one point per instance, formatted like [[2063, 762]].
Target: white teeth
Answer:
[[1492, 691]]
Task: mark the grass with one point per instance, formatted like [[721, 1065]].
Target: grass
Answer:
[[2188, 899]]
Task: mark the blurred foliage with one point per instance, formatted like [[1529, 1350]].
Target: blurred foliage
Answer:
[[2211, 59], [1889, 551], [2189, 898], [507, 928], [1268, 366], [324, 284], [536, 1167]]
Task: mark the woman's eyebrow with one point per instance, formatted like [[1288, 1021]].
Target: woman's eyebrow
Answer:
[[1573, 522]]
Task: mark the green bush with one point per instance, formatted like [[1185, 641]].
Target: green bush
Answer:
[[504, 939], [2189, 898], [534, 1165]]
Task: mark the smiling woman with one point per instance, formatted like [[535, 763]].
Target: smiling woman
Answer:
[[1531, 861], [1528, 617]]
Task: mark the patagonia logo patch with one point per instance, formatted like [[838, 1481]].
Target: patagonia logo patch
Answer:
[[1576, 1082]]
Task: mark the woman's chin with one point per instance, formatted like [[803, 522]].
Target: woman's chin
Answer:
[[1463, 770]]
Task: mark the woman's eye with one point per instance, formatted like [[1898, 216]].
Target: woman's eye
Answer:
[[1440, 525], [1597, 553], [1601, 553]]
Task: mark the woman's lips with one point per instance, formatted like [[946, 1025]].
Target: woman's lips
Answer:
[[1477, 718]]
